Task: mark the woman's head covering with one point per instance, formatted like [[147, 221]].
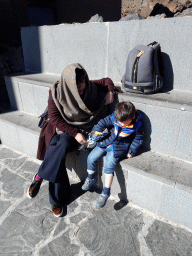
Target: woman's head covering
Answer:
[[75, 109]]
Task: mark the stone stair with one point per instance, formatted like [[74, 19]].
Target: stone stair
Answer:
[[159, 179]]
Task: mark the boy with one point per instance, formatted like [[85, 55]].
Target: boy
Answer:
[[124, 139]]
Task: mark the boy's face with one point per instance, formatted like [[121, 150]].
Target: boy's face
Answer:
[[127, 122]]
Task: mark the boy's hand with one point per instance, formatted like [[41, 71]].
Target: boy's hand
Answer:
[[129, 156]]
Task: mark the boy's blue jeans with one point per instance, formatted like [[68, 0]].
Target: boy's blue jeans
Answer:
[[110, 162]]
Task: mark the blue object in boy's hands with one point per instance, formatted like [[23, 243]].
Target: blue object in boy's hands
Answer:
[[92, 141], [98, 135], [94, 138]]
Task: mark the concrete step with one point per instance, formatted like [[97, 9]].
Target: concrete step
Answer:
[[158, 183], [167, 116]]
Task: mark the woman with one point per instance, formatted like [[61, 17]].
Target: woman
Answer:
[[75, 105]]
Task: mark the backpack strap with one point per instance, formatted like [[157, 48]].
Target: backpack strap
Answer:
[[157, 51]]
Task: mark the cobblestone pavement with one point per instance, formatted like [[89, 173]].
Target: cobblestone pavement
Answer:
[[28, 227]]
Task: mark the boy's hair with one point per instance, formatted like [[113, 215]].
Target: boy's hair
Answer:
[[125, 111]]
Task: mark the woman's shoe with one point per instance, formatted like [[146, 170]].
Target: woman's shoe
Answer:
[[57, 210], [34, 187]]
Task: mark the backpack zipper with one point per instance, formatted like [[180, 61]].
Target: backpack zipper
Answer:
[[135, 67]]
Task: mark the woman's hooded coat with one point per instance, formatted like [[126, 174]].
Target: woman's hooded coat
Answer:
[[81, 112]]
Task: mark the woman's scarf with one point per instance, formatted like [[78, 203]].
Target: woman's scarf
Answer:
[[75, 109]]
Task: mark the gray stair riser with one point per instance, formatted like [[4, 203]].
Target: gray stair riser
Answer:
[[19, 138], [102, 48], [27, 97], [160, 197]]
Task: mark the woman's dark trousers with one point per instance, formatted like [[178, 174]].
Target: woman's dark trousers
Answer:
[[53, 168]]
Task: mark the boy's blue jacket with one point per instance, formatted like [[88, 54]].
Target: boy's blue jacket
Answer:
[[123, 140]]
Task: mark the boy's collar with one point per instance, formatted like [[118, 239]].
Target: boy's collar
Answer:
[[124, 126]]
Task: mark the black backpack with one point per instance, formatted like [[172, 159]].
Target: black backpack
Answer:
[[143, 72]]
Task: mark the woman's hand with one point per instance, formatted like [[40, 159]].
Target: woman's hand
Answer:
[[109, 98], [129, 156], [81, 139], [119, 91]]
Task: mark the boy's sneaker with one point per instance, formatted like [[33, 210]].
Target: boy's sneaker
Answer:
[[88, 183], [57, 210], [102, 200], [34, 187]]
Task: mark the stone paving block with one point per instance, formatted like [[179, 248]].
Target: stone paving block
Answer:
[[4, 205], [11, 185], [77, 218], [8, 153], [29, 169], [166, 237], [60, 246], [14, 164], [99, 233], [30, 229]]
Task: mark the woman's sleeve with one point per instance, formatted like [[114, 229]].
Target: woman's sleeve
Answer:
[[57, 119], [102, 124], [105, 84]]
